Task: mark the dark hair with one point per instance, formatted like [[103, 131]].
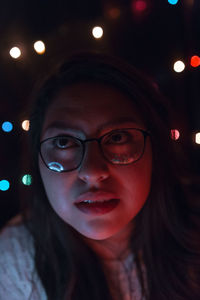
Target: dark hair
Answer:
[[164, 232]]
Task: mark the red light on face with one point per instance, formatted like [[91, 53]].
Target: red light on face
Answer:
[[195, 61], [175, 134], [139, 6]]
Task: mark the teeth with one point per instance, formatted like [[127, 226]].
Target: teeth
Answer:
[[88, 201]]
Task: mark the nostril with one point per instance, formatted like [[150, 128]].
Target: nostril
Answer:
[[93, 168]]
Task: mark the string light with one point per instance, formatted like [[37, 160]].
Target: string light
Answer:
[[173, 2], [113, 12], [175, 134], [190, 2], [15, 52], [4, 185], [27, 179], [97, 32], [195, 61], [179, 66], [197, 138], [26, 125], [139, 6], [39, 47], [7, 126]]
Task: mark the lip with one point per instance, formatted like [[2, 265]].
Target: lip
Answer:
[[97, 208], [99, 196]]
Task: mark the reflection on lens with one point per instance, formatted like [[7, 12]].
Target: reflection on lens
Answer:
[[55, 166], [122, 159]]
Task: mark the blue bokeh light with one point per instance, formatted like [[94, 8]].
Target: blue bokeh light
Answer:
[[173, 2], [7, 126], [4, 185]]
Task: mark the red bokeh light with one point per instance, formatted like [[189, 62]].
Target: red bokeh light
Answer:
[[139, 6], [175, 134], [195, 61]]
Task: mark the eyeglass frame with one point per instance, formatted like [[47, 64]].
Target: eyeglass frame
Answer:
[[82, 142]]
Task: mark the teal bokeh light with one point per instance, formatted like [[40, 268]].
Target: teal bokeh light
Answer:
[[4, 185], [27, 179], [7, 126], [173, 2]]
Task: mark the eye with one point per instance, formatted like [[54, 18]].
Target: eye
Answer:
[[63, 142], [118, 137]]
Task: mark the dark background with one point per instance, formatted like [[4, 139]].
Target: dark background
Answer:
[[152, 40]]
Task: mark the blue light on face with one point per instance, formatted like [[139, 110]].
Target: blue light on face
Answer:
[[4, 185], [55, 166], [173, 2], [7, 126]]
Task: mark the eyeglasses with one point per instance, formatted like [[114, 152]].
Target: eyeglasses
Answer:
[[65, 153]]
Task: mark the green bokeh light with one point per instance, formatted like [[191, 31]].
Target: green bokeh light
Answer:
[[27, 179]]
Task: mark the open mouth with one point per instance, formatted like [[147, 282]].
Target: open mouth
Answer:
[[97, 207]]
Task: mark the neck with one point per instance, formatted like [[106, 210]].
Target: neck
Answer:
[[115, 247]]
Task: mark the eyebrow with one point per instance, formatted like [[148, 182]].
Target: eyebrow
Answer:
[[117, 122], [63, 125]]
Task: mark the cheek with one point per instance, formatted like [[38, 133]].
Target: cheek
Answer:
[[57, 189], [138, 183], [136, 179]]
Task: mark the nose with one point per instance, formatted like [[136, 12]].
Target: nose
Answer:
[[94, 167]]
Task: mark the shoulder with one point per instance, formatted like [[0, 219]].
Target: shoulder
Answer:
[[15, 238], [17, 262]]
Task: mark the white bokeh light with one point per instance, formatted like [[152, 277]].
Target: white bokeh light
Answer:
[[39, 47], [97, 32], [179, 66], [197, 138], [15, 52]]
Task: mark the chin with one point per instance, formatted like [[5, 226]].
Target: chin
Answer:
[[100, 234]]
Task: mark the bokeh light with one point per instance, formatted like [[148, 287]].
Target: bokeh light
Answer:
[[139, 6], [27, 179], [195, 61], [175, 134], [15, 52], [179, 66], [113, 12], [26, 125], [189, 2], [7, 126], [173, 2], [97, 32], [197, 138], [39, 47], [4, 185]]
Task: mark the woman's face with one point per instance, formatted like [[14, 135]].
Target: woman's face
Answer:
[[89, 110]]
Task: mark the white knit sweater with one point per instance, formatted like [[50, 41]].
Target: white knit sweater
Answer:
[[19, 281]]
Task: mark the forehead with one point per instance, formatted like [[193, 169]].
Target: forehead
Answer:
[[89, 105]]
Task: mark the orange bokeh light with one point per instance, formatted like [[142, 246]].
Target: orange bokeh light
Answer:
[[113, 12]]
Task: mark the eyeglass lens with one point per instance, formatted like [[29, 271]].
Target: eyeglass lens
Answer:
[[64, 153]]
